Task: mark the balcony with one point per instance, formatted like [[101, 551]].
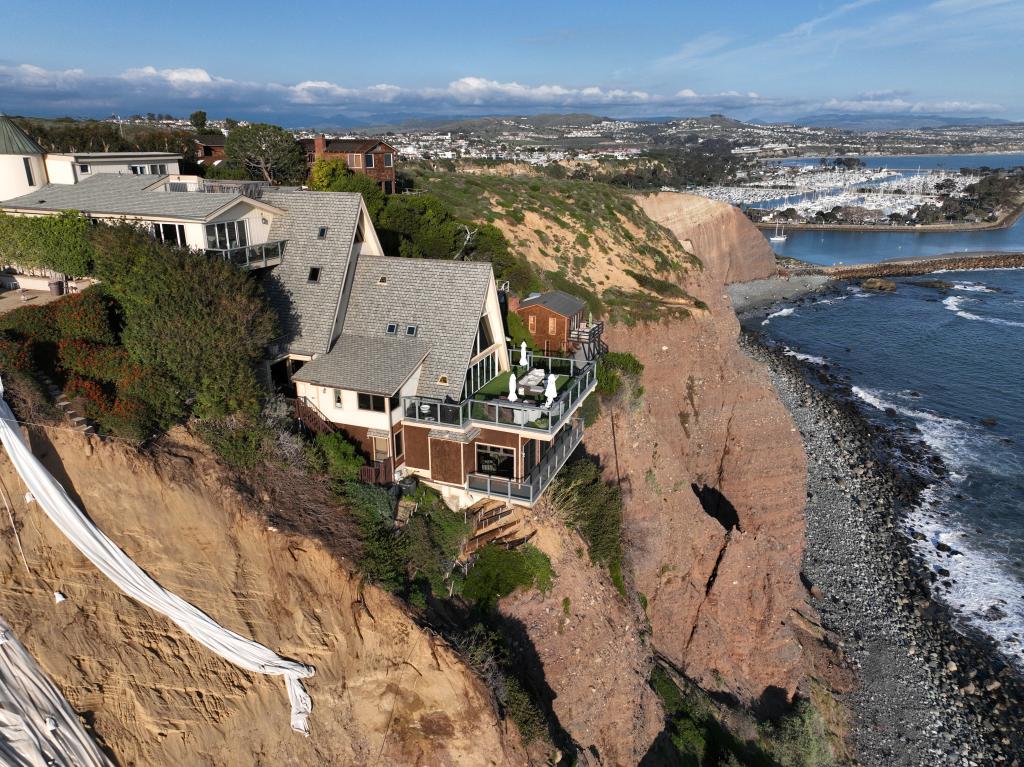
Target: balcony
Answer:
[[529, 489], [490, 406], [252, 256]]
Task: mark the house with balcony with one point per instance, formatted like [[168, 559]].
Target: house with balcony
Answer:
[[421, 378], [371, 157]]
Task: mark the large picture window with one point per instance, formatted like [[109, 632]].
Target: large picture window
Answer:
[[172, 234], [230, 234], [496, 461], [481, 373], [372, 402]]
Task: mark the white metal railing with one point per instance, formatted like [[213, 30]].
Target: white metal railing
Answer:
[[252, 256]]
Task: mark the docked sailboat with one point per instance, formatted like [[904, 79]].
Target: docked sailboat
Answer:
[[779, 236]]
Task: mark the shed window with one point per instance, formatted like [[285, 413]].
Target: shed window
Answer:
[[321, 233], [410, 330], [314, 274], [392, 328]]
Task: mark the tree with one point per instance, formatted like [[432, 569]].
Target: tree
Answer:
[[230, 123], [334, 176], [268, 152], [198, 120]]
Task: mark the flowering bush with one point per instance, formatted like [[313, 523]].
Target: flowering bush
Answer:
[[85, 316], [128, 418], [91, 394], [32, 323], [14, 355], [104, 363]]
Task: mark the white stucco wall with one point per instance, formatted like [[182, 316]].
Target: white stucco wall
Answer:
[[349, 413], [13, 182]]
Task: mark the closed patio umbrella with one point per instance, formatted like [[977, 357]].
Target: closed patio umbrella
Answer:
[[523, 359], [512, 396]]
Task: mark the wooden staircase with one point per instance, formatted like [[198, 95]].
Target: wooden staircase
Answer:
[[497, 522]]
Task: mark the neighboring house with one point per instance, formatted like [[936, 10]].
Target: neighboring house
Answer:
[[210, 148], [408, 357], [371, 157], [555, 321], [25, 166]]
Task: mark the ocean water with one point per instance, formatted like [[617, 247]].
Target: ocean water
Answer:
[[946, 367]]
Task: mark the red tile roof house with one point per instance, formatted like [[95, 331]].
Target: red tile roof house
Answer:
[[371, 157]]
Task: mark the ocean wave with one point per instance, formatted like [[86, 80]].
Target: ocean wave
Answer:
[[983, 591], [832, 300], [955, 304], [779, 313], [803, 357], [972, 287], [954, 440]]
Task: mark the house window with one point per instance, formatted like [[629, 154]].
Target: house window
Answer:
[[322, 233], [496, 461], [158, 170], [372, 402], [28, 172], [337, 398], [369, 160], [353, 161], [552, 326], [84, 168], [389, 160], [231, 234], [172, 234], [137, 170], [410, 330], [399, 445], [533, 324], [392, 328], [380, 448], [314, 274]]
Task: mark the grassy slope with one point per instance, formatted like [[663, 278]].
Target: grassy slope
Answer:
[[586, 238]]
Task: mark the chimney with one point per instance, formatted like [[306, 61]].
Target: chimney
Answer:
[[319, 146], [513, 303]]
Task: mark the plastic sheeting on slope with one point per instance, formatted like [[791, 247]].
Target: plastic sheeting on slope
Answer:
[[38, 728], [131, 579]]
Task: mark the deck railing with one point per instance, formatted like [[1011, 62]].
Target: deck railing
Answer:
[[529, 489], [252, 256], [499, 411]]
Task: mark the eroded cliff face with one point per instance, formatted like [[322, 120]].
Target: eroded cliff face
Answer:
[[385, 691], [714, 476]]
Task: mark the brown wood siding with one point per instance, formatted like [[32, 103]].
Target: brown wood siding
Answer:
[[446, 461], [543, 340], [417, 448], [469, 457], [501, 438], [361, 436]]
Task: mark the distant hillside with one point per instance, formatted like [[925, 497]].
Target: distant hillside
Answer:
[[892, 121]]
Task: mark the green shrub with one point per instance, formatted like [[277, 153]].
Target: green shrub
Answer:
[[99, 361], [334, 454], [31, 323], [238, 441], [434, 537], [85, 316], [14, 355], [385, 553], [134, 420], [518, 331], [798, 739], [61, 243], [499, 571], [594, 507]]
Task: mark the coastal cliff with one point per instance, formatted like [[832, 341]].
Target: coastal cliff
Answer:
[[714, 473], [385, 690]]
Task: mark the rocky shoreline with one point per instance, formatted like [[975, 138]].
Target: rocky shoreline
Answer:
[[927, 693]]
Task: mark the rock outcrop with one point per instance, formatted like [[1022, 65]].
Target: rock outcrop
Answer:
[[714, 476], [385, 691]]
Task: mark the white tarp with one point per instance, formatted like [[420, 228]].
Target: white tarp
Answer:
[[131, 579], [38, 728]]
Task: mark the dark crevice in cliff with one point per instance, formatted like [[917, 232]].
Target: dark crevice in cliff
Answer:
[[707, 590], [717, 506]]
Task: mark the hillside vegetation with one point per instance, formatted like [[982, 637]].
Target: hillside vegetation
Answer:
[[585, 238]]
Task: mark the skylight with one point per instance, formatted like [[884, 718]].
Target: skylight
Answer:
[[410, 330], [392, 328], [314, 274], [322, 233]]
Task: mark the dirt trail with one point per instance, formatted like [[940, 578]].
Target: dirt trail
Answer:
[[385, 691]]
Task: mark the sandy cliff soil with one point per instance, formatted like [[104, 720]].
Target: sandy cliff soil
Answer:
[[385, 691], [714, 473]]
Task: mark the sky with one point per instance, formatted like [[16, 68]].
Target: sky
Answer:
[[302, 63]]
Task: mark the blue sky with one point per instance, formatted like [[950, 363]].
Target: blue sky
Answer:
[[298, 62]]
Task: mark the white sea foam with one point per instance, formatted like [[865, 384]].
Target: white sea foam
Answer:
[[779, 313], [832, 300], [803, 357], [984, 592], [972, 287], [955, 304]]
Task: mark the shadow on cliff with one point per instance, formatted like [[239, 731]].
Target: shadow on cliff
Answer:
[[717, 506]]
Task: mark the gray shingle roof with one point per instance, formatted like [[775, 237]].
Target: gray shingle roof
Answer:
[[13, 140], [378, 365], [117, 195], [444, 299], [307, 310], [556, 301]]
